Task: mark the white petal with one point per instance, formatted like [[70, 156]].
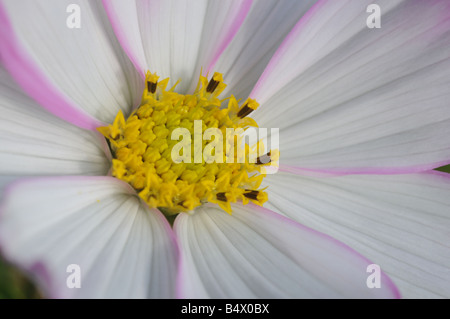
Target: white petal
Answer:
[[178, 37], [400, 222], [86, 64], [265, 27], [255, 253], [123, 249], [34, 142], [349, 99]]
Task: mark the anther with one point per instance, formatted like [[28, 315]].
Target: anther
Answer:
[[248, 108], [221, 197], [152, 82], [151, 86], [214, 82], [265, 159], [252, 194]]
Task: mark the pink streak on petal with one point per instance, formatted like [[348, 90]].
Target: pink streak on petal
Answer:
[[235, 26], [437, 173], [264, 211], [167, 228], [362, 170], [180, 275], [32, 80], [39, 269], [121, 36], [41, 273], [384, 278], [286, 44], [180, 267]]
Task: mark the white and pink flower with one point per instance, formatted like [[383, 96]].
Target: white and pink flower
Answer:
[[364, 118]]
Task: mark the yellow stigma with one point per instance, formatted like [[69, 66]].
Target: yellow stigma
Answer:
[[212, 169]]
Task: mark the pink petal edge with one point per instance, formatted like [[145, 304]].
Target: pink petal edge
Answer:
[[261, 210], [285, 45], [38, 269], [362, 170], [121, 37], [437, 173], [33, 81], [236, 25]]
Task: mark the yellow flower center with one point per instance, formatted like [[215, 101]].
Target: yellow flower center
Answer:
[[178, 152]]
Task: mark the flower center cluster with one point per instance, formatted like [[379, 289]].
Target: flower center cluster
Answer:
[[207, 165]]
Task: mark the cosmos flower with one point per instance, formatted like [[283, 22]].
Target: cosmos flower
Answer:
[[363, 115]]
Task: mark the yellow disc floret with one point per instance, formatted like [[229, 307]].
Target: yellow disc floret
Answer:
[[178, 152]]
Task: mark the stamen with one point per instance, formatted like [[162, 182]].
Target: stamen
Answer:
[[152, 82], [252, 194], [265, 159], [214, 82], [249, 106], [221, 197], [151, 86]]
